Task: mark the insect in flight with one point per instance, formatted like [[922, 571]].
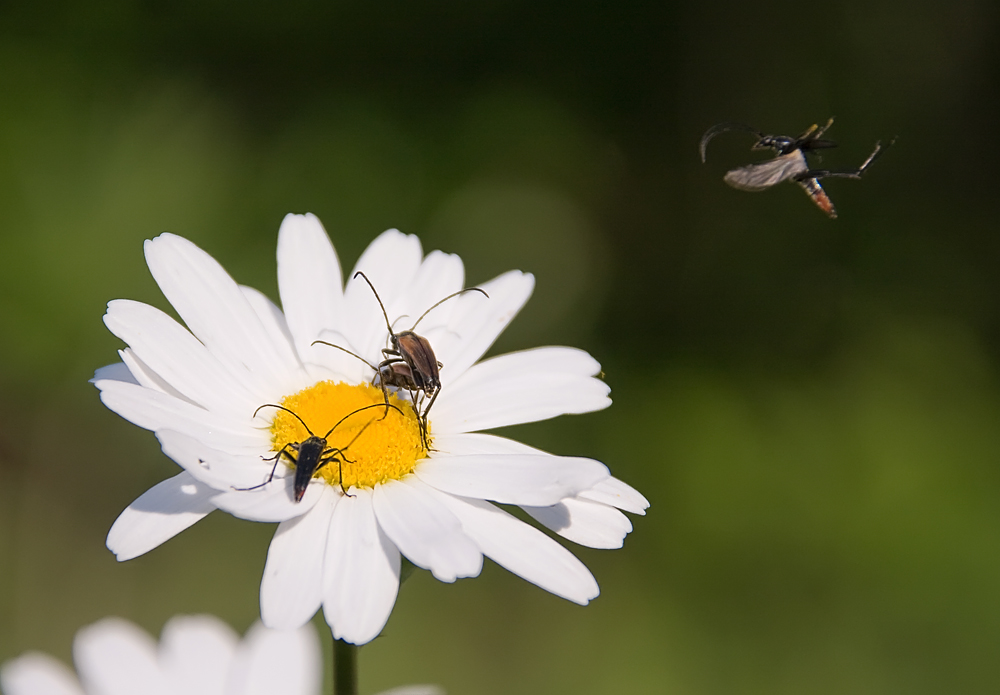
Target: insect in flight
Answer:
[[790, 162], [410, 363], [313, 452]]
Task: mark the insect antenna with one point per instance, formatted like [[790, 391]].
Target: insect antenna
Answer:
[[273, 405], [453, 294], [353, 354], [722, 128], [338, 454], [341, 458], [341, 450], [387, 324], [373, 405]]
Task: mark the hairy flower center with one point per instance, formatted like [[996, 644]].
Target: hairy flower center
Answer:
[[369, 446]]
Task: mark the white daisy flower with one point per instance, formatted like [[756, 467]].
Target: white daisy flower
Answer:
[[197, 654], [199, 388]]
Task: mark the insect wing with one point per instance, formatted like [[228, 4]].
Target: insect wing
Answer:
[[306, 463], [419, 356], [400, 374], [763, 175]]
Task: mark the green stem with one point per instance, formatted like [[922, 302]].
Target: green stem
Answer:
[[345, 668]]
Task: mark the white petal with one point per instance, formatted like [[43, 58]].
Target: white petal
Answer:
[[414, 690], [278, 661], [521, 387], [272, 502], [274, 323], [587, 523], [158, 515], [476, 322], [292, 587], [340, 365], [149, 379], [196, 652], [466, 443], [425, 531], [114, 372], [538, 480], [176, 356], [153, 410], [618, 494], [390, 262], [524, 550], [220, 470], [115, 657], [35, 673], [310, 284], [440, 275], [361, 579], [214, 308]]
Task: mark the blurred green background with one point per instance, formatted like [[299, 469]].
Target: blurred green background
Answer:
[[811, 406]]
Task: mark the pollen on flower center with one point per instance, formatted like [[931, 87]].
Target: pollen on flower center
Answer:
[[374, 446]]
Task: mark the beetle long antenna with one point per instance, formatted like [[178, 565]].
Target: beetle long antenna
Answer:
[[273, 405], [355, 437], [373, 405], [387, 325], [453, 294], [353, 354], [722, 128], [340, 458]]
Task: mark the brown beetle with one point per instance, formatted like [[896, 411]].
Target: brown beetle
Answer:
[[410, 363]]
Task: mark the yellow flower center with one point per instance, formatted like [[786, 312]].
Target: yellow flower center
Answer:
[[373, 446]]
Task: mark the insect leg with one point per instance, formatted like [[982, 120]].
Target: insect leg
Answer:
[[337, 456], [276, 458], [849, 173], [819, 131], [876, 153], [423, 419], [385, 392], [829, 174], [416, 399], [340, 473]]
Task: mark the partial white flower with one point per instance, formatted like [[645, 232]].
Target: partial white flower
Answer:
[[196, 655], [199, 388]]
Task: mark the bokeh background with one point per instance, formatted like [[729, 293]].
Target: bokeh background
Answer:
[[812, 406]]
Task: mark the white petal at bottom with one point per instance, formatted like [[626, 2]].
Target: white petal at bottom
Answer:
[[361, 576]]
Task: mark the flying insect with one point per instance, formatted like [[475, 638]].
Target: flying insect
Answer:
[[790, 162]]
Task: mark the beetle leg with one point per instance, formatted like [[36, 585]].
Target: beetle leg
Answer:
[[340, 473], [416, 400], [336, 456], [423, 418], [275, 458], [385, 395]]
